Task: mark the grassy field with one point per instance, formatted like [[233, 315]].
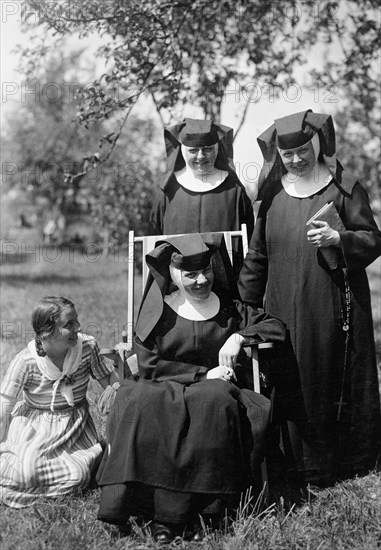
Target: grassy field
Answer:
[[346, 516]]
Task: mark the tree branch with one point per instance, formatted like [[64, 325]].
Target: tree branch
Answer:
[[245, 111]]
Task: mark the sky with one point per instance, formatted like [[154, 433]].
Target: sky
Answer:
[[260, 114]]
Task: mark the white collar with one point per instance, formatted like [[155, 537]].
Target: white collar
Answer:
[[49, 370], [195, 310], [202, 184], [302, 187]]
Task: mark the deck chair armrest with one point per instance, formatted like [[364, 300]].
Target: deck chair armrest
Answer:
[[254, 354], [122, 357]]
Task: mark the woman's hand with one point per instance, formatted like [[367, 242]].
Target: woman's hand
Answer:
[[323, 235], [221, 372], [228, 354], [107, 398]]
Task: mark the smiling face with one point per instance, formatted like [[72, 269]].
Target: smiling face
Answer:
[[198, 284], [299, 161], [65, 333], [200, 159]]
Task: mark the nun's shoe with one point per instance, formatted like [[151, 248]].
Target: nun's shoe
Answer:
[[162, 534]]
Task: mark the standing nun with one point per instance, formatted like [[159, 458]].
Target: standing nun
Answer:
[[326, 306], [201, 192]]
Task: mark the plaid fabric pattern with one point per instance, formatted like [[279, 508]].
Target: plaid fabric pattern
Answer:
[[48, 454]]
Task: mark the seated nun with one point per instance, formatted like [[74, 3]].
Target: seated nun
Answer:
[[188, 437]]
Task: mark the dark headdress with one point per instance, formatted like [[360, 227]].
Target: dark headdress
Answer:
[[198, 133], [189, 252], [294, 131]]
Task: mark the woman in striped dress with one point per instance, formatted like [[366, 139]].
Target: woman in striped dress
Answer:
[[49, 444]]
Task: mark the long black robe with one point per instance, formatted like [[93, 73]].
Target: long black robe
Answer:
[[300, 289], [174, 434], [178, 210]]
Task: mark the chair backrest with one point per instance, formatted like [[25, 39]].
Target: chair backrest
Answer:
[[147, 244]]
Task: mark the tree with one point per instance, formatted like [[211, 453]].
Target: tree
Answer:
[[359, 150], [182, 51], [356, 73], [47, 141], [195, 52], [120, 192], [50, 155], [186, 51]]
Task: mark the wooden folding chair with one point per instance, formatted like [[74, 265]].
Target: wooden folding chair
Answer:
[[122, 354]]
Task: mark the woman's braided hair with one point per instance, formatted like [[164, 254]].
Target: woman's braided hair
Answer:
[[44, 318]]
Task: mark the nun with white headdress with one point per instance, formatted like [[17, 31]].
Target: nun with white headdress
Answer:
[[187, 438], [313, 275]]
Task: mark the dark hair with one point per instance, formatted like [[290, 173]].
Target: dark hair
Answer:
[[44, 318]]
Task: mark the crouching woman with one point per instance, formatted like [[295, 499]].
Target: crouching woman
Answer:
[[49, 445]]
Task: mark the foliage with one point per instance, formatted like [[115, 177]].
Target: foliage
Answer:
[[352, 68], [353, 59], [197, 52], [359, 151], [49, 154], [119, 193], [190, 51], [180, 51], [44, 142]]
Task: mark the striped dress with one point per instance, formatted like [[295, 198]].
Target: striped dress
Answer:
[[48, 453]]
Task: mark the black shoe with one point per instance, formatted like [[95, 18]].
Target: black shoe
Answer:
[[162, 534]]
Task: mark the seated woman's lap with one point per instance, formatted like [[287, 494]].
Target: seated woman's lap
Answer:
[[185, 438]]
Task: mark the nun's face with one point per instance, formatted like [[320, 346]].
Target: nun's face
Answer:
[[200, 159], [198, 284], [299, 161]]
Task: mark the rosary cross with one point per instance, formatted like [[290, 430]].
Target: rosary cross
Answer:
[[340, 404]]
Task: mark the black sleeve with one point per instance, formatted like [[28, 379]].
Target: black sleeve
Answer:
[[361, 242], [246, 213], [253, 277], [156, 220], [257, 326]]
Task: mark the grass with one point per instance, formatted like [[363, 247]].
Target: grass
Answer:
[[346, 516]]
